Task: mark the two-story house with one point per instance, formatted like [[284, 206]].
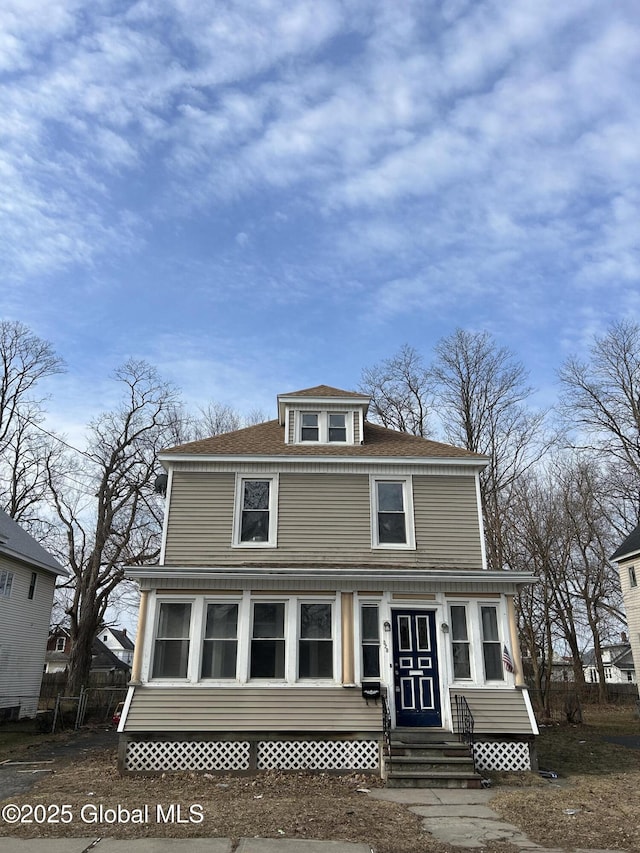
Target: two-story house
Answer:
[[627, 556], [27, 581], [309, 564]]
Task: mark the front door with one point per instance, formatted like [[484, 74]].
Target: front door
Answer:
[[415, 665]]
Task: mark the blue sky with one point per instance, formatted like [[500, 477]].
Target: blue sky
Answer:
[[260, 197]]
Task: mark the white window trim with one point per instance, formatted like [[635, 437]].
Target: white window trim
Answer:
[[323, 426], [501, 641], [272, 542], [194, 631], [6, 583], [359, 603], [201, 625], [407, 496], [332, 602], [468, 618]]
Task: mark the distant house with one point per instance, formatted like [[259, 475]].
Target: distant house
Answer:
[[118, 642], [618, 665], [103, 658], [627, 557], [27, 580]]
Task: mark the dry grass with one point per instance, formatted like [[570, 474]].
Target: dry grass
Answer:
[[594, 804]]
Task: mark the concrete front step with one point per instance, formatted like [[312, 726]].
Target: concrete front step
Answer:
[[433, 779], [436, 763], [428, 758]]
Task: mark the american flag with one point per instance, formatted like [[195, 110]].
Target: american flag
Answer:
[[506, 659]]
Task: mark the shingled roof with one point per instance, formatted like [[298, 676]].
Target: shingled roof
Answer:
[[631, 545], [267, 439]]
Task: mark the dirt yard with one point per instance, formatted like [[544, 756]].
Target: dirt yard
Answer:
[[594, 803]]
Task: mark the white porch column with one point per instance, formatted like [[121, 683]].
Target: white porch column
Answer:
[[515, 643], [348, 660], [136, 666]]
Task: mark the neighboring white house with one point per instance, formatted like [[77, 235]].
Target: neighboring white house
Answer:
[[118, 642], [628, 559], [618, 665], [27, 580]]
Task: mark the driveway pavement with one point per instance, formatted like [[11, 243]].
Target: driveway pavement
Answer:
[[19, 774]]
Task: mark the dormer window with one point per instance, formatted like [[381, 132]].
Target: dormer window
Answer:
[[337, 427], [324, 427], [309, 429]]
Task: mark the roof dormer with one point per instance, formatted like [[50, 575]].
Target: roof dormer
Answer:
[[323, 415]]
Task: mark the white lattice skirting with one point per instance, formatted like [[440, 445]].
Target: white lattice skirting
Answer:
[[145, 756], [502, 755], [318, 755], [187, 755]]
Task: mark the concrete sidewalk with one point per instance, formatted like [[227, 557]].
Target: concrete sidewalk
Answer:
[[462, 818]]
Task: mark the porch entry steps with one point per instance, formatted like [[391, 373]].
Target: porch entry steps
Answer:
[[427, 758]]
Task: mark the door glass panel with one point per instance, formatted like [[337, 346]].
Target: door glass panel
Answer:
[[404, 633], [422, 625]]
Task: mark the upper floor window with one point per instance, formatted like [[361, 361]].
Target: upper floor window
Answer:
[[491, 650], [392, 513], [309, 430], [633, 580], [337, 427], [32, 585], [6, 581], [256, 502], [324, 427], [60, 644]]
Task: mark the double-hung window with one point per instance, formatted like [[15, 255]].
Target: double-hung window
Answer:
[[460, 641], [32, 585], [370, 640], [633, 580], [6, 581], [491, 651], [392, 513], [60, 644], [309, 429], [171, 647], [220, 644], [315, 645], [323, 427], [256, 503], [268, 640], [337, 426]]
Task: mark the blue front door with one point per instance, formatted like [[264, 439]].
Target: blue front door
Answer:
[[415, 664]]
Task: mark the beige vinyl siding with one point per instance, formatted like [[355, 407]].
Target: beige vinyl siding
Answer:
[[447, 522], [211, 709], [496, 711], [24, 628], [323, 520]]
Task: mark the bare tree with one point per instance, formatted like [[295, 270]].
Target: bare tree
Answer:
[[115, 521], [481, 391], [602, 396], [25, 361], [400, 391]]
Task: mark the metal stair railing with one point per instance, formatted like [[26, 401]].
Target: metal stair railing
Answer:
[[464, 723]]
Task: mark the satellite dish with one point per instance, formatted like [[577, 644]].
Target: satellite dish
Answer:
[[160, 485]]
